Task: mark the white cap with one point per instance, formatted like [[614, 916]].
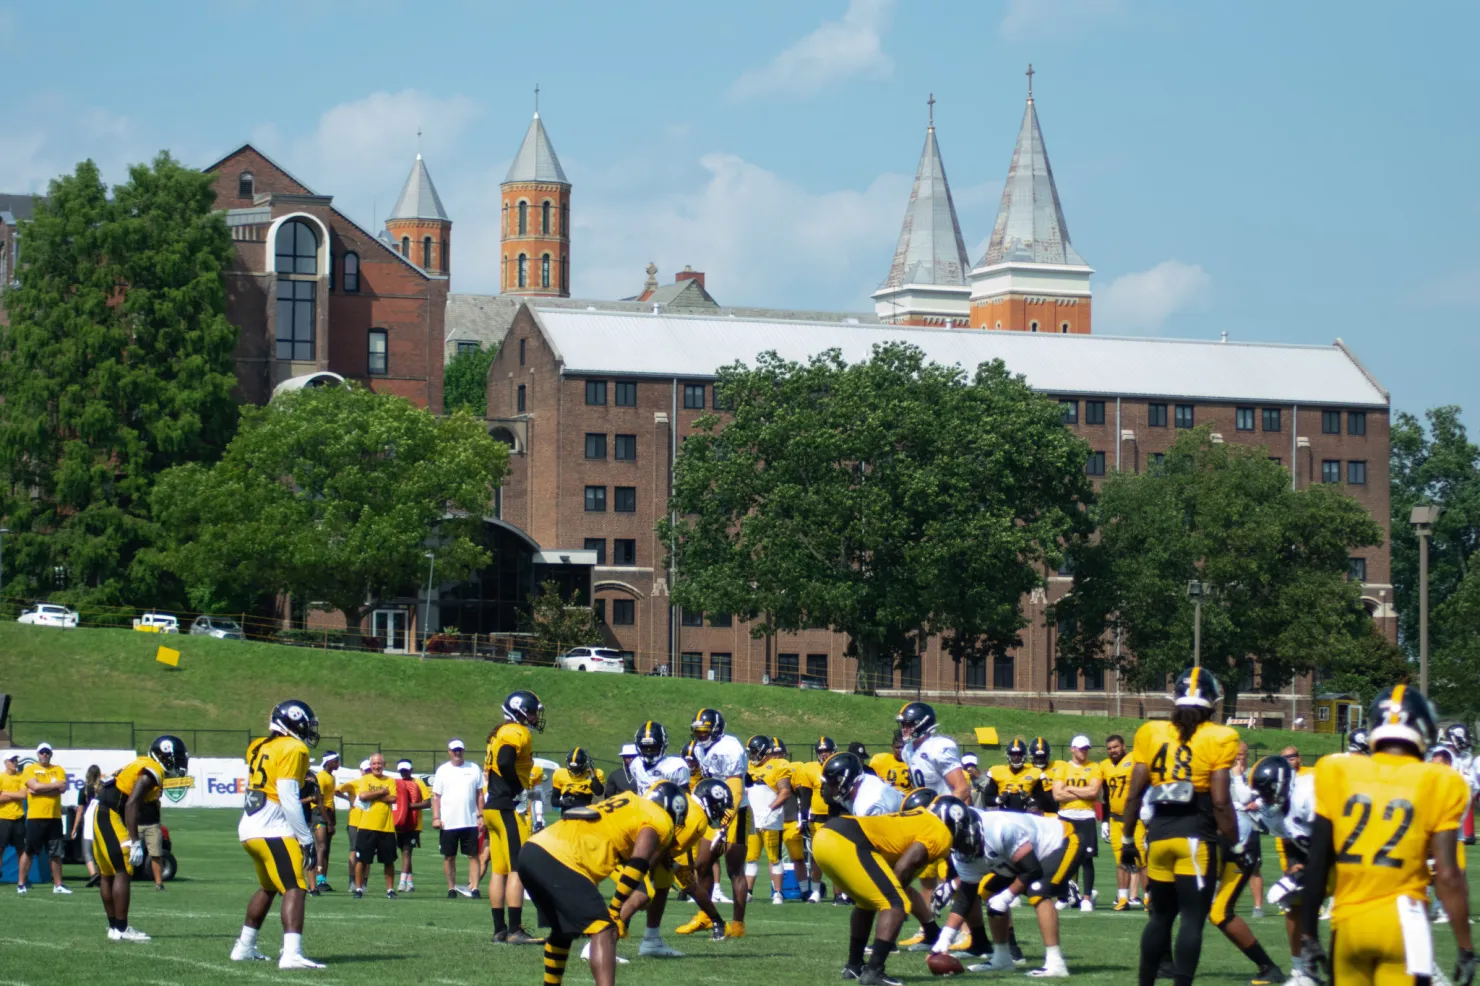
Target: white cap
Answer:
[[969, 760], [364, 764], [629, 749], [403, 765], [455, 744], [1080, 742], [43, 748]]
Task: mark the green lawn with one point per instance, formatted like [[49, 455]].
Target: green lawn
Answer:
[[426, 938], [222, 691]]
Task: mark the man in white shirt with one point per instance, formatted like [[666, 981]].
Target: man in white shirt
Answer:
[[934, 761], [457, 794], [723, 757]]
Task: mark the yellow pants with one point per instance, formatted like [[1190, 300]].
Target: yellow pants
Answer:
[[1117, 832], [1367, 950], [109, 835], [847, 858], [279, 864], [1231, 883], [1167, 859], [506, 835]]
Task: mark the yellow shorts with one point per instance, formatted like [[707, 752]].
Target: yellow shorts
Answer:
[[108, 836], [1117, 832], [789, 837], [505, 837], [849, 860], [279, 864], [1367, 950], [739, 828], [753, 846], [1167, 859], [1231, 883]]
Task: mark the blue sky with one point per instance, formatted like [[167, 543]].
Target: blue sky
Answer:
[[1283, 172]]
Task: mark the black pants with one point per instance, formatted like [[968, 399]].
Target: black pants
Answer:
[[1182, 898]]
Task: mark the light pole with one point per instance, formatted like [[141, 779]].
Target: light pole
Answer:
[[1423, 518], [426, 623], [3, 531], [1195, 592]]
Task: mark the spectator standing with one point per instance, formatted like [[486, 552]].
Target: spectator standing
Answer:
[[622, 780], [1076, 785], [82, 822], [13, 811], [972, 766], [151, 831], [45, 782], [350, 793], [457, 794], [323, 822], [1246, 804], [412, 798], [375, 841]]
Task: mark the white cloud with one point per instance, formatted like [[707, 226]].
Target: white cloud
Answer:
[[836, 51], [1141, 303], [48, 135], [1039, 19]]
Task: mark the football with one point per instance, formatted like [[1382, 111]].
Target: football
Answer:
[[944, 964]]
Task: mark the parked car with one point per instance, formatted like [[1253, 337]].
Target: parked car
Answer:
[[592, 659], [220, 627], [158, 623], [49, 615], [788, 679]]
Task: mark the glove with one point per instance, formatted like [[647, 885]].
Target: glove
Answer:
[[1105, 831], [940, 898], [1286, 887], [310, 857], [1464, 968], [943, 940], [1242, 856], [1001, 902], [1130, 855], [136, 854], [1314, 960]]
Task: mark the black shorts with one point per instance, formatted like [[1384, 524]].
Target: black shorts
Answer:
[[12, 834], [371, 846], [454, 841], [1088, 831], [568, 900], [408, 840], [44, 835], [315, 819]]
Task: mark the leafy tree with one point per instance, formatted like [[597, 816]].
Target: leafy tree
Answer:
[[559, 623], [1454, 666], [116, 365], [1275, 561], [465, 381], [332, 495], [889, 500]]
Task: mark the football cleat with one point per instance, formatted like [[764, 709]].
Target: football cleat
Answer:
[[132, 934], [735, 929], [877, 977], [1051, 970], [815, 897], [1270, 975], [777, 899], [657, 949], [298, 962], [700, 922], [999, 961], [518, 936], [61, 888], [962, 944], [1122, 904], [1085, 904], [242, 952], [294, 718], [852, 971], [1137, 902], [918, 938]]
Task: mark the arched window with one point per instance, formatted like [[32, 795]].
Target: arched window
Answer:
[[504, 278], [1032, 326], [999, 323], [545, 271], [545, 218], [244, 185], [506, 219], [565, 273], [523, 217], [565, 221], [1064, 328], [406, 247], [426, 252], [351, 272], [297, 248], [523, 271], [445, 262]]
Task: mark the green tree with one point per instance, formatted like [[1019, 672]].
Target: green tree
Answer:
[[890, 500], [332, 495], [559, 623], [465, 381], [1275, 561], [116, 365], [1454, 666]]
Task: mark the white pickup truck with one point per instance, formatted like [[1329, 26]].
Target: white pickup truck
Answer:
[[158, 623]]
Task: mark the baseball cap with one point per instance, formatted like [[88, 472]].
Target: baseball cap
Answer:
[[43, 748], [1080, 742], [14, 756], [969, 760], [364, 764], [629, 749], [455, 744], [403, 765]]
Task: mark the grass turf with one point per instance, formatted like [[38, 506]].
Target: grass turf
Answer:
[[426, 938], [221, 693]]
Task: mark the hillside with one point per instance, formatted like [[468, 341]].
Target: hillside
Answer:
[[223, 690]]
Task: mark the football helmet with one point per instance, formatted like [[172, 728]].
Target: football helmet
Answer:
[[757, 748], [1017, 752], [1457, 737], [825, 748], [708, 725], [917, 719], [578, 761], [294, 718], [966, 829], [1441, 754], [526, 709], [651, 742], [1357, 742], [1040, 752], [1271, 780], [672, 799], [1401, 713], [172, 756], [839, 776], [1198, 688], [690, 754], [858, 750], [715, 798], [920, 797], [778, 746]]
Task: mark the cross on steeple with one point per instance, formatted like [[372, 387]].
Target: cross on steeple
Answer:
[[1030, 74], [931, 103], [537, 99]]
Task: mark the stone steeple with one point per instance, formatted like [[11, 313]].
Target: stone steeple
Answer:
[[419, 227], [536, 219]]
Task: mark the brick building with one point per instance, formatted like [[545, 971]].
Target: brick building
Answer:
[[594, 425]]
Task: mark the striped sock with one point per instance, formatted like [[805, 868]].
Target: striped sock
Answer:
[[555, 958]]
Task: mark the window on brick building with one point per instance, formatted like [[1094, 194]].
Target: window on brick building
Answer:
[[295, 320], [788, 665], [624, 551], [625, 498], [720, 667], [1356, 423], [719, 403], [565, 221], [690, 665], [1156, 460], [545, 271], [545, 218], [693, 396], [330, 278], [351, 272], [521, 352], [1156, 415], [245, 187], [519, 402], [817, 669], [1356, 472], [1032, 326], [464, 348], [426, 253], [595, 445], [1064, 328], [523, 271], [624, 612], [596, 499], [1330, 422], [1357, 569], [406, 247], [974, 673], [625, 449], [1184, 416], [596, 392], [1243, 419], [909, 671], [446, 258], [565, 273], [1271, 419], [626, 393], [1094, 679], [691, 617], [597, 545], [379, 361], [721, 620], [598, 609], [523, 218], [296, 248], [1067, 678], [1330, 470], [1094, 412], [1004, 672], [1069, 412], [1096, 464]]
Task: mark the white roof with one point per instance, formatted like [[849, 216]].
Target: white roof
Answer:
[[634, 344]]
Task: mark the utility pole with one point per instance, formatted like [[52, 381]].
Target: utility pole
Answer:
[[1195, 590], [1423, 519]]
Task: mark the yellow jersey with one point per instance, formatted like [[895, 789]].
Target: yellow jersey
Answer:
[[892, 770], [12, 784], [891, 835], [124, 780], [1014, 787], [601, 836], [275, 758], [1076, 775], [772, 772], [695, 828], [1383, 810], [40, 806], [809, 775], [1159, 746], [376, 816], [582, 787], [1117, 782], [501, 790], [326, 786]]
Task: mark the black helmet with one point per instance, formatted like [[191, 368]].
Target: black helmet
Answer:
[[1401, 713], [172, 756], [525, 708], [1198, 688], [917, 719], [825, 748], [858, 750], [778, 746], [672, 799], [1357, 742], [1017, 751], [920, 797], [690, 751], [708, 725], [651, 742], [1457, 736], [966, 829], [839, 775], [578, 761], [1271, 780], [715, 798], [295, 718], [758, 748], [1040, 752]]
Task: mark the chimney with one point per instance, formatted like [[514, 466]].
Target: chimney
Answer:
[[689, 274]]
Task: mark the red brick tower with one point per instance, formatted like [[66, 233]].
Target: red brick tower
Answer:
[[418, 226], [536, 220]]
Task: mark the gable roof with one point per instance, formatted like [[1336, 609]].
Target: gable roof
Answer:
[[536, 160], [258, 151]]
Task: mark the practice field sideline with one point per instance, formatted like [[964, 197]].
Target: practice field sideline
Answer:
[[426, 938]]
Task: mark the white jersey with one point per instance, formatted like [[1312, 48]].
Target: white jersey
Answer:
[[875, 797], [1006, 832], [667, 769], [724, 758], [1294, 825], [930, 760]]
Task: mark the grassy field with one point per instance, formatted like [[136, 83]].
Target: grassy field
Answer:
[[222, 691], [426, 938]]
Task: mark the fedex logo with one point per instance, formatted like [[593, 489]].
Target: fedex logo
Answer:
[[237, 785]]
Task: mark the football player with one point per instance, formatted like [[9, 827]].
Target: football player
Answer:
[[507, 762], [891, 766], [1076, 786], [847, 787], [1010, 785], [871, 857], [653, 764], [1379, 822], [791, 832], [117, 848], [1357, 743], [1235, 873], [935, 763], [564, 864], [1287, 811], [275, 834], [1116, 770], [812, 808], [1040, 755], [579, 782], [721, 756], [769, 790], [1181, 768], [691, 761], [324, 823]]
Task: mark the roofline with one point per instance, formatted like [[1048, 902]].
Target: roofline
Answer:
[[1032, 265], [1341, 345], [250, 146], [921, 286], [534, 313], [394, 253]]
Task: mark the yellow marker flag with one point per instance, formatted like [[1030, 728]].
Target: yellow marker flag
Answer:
[[167, 655]]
